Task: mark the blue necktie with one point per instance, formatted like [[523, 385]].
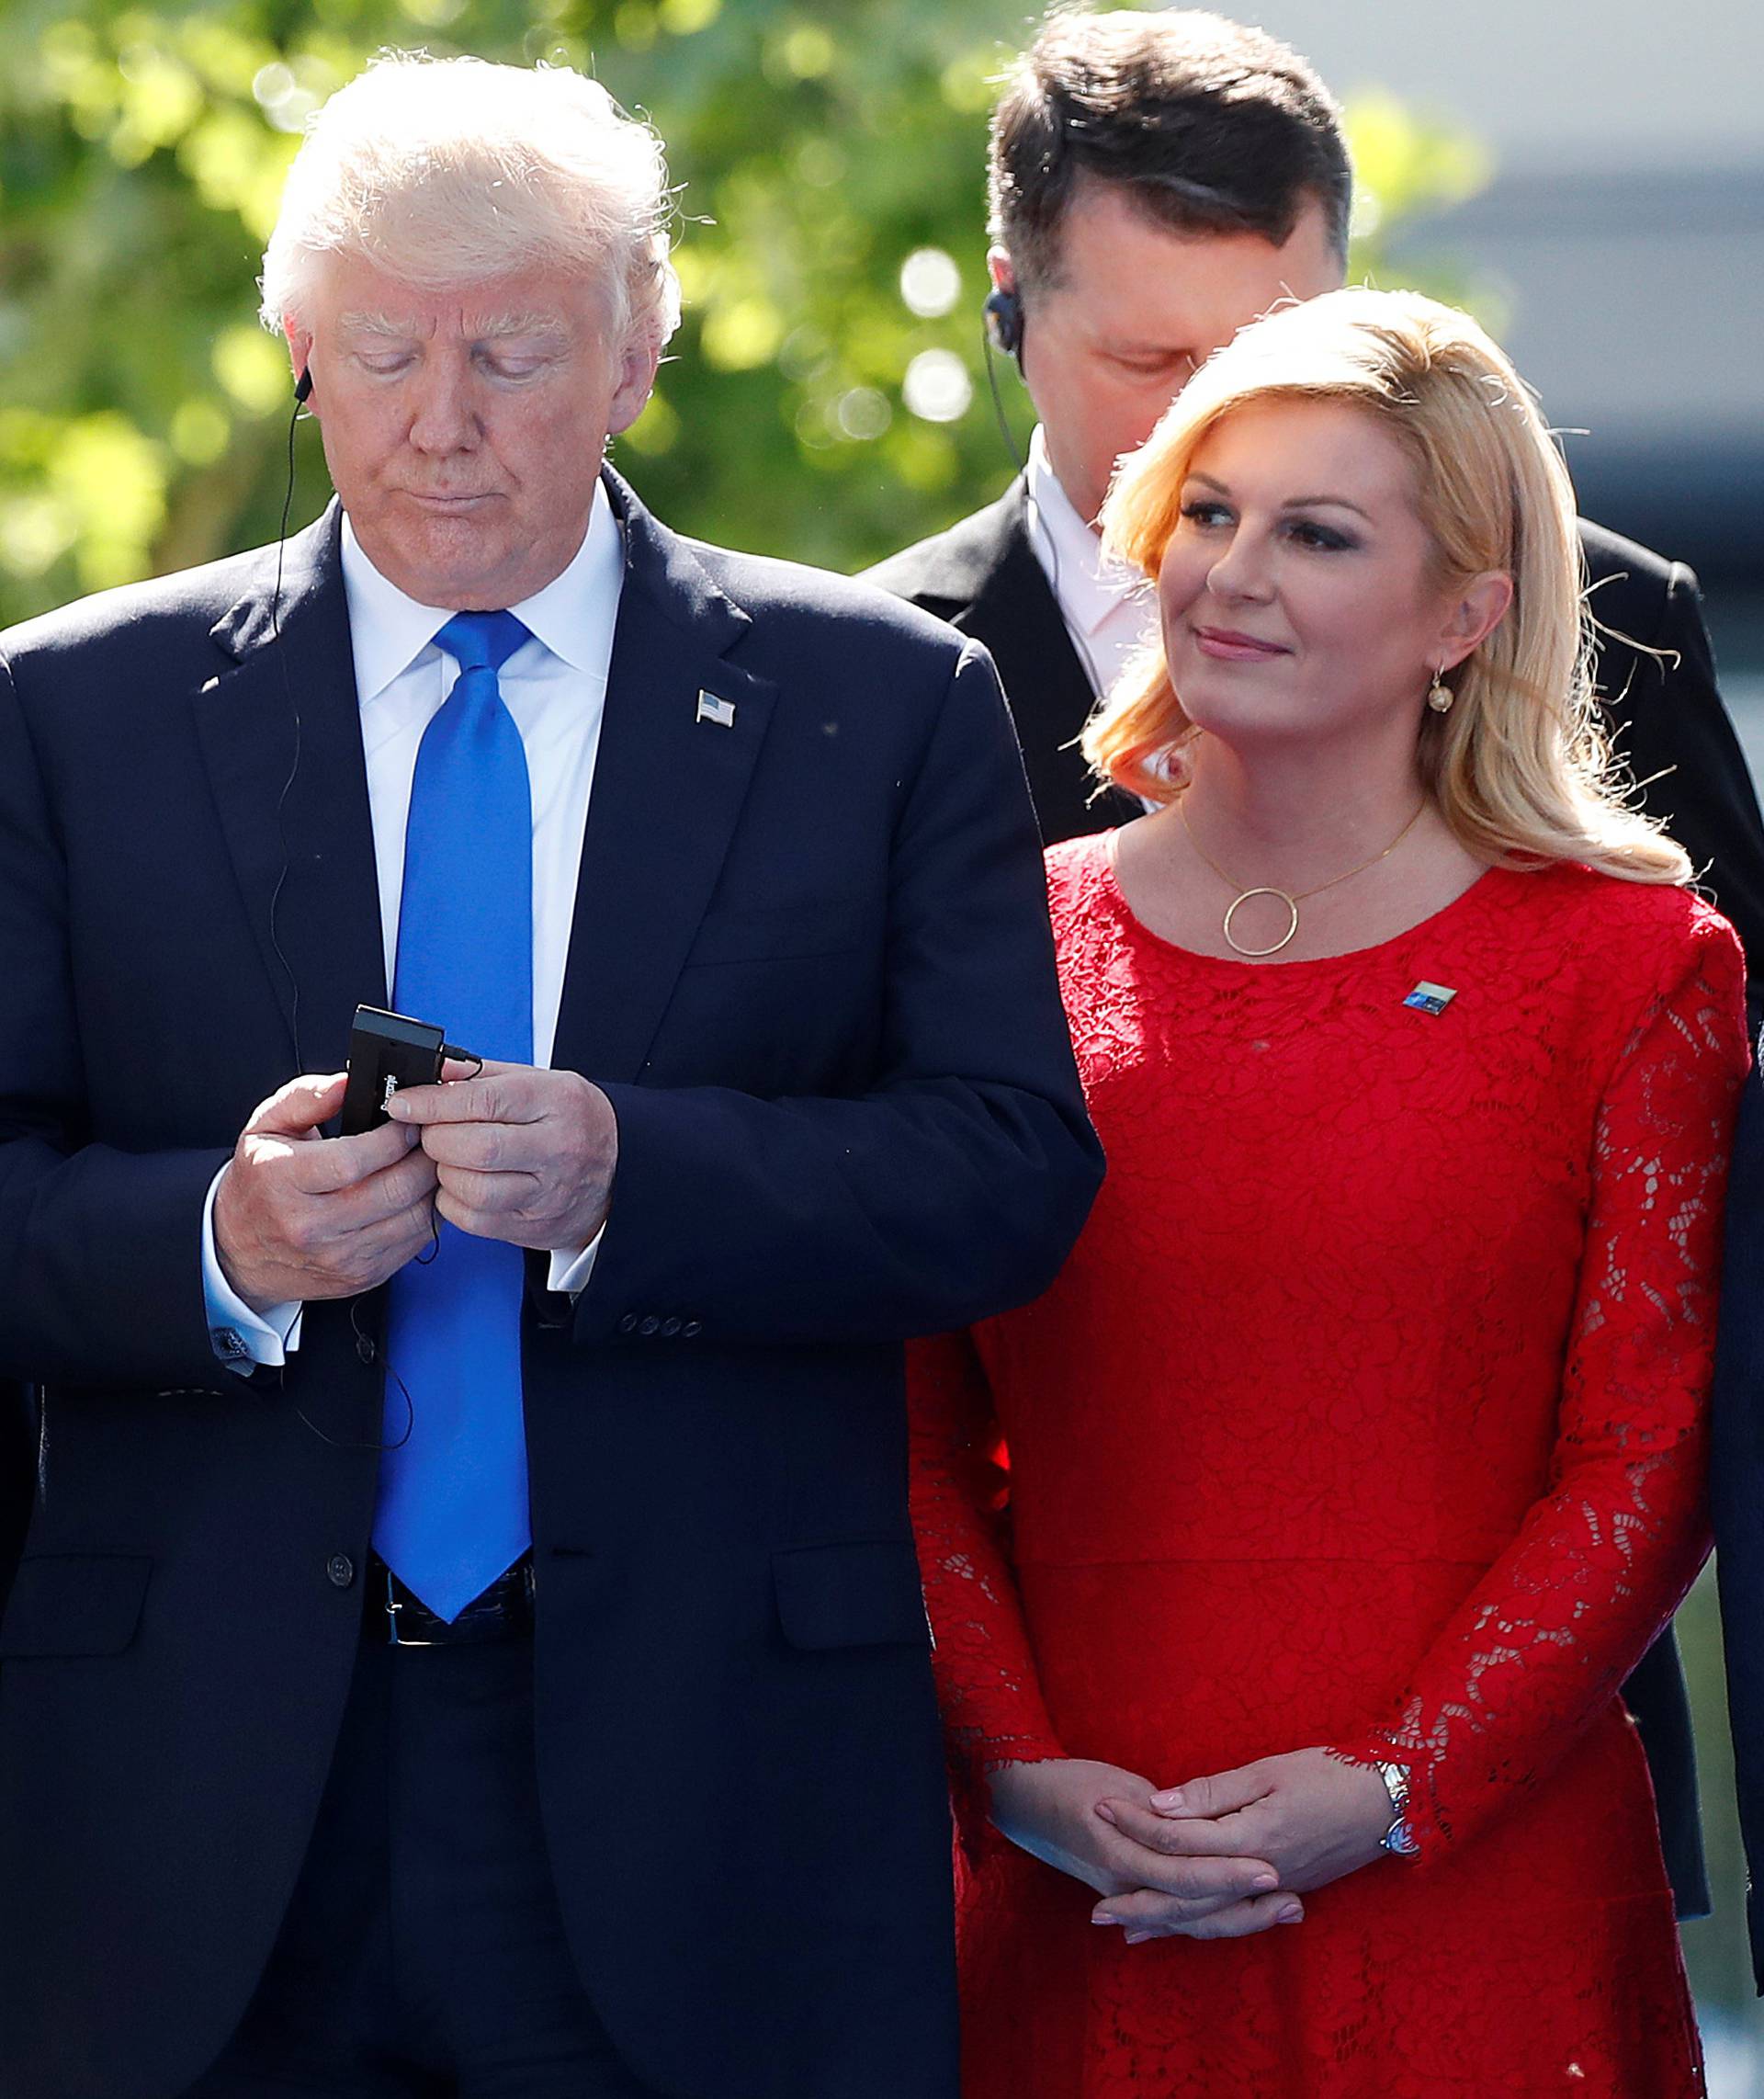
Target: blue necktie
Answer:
[[452, 1512]]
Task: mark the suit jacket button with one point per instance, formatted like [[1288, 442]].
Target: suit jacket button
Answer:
[[628, 1324], [340, 1570], [649, 1326], [692, 1330], [669, 1327]]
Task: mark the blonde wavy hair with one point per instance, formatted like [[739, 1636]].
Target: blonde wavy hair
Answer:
[[1520, 767]]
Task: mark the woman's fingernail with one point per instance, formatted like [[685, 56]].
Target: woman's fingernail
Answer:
[[1104, 1812], [1165, 1802], [1265, 1883], [1102, 1917], [1136, 1938], [1289, 1913]]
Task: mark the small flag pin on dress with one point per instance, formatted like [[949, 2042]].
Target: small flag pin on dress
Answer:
[[1430, 998], [720, 712]]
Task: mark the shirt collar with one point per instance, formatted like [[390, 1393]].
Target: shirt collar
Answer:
[[1088, 585], [573, 615]]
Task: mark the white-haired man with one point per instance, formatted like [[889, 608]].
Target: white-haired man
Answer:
[[469, 1616]]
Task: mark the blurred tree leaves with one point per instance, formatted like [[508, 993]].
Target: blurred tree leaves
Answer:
[[816, 405]]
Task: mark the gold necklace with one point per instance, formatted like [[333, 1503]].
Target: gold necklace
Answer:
[[1285, 896]]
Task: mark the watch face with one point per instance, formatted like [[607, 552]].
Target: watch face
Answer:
[[1401, 1841]]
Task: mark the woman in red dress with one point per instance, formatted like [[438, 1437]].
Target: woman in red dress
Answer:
[[1357, 1455]]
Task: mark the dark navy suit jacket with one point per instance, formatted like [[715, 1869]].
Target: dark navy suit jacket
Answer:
[[1736, 1486], [810, 965]]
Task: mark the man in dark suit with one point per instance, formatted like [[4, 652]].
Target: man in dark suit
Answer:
[[1737, 1488], [18, 1462], [1156, 181], [468, 1637]]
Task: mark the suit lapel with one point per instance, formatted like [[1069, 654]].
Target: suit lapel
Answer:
[[1015, 613], [969, 553], [1015, 602], [678, 741], [280, 730]]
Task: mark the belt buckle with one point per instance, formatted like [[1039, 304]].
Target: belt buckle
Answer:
[[392, 1609]]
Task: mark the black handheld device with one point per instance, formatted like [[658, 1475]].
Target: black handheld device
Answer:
[[387, 1050]]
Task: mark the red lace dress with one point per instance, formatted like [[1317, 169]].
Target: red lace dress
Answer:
[[1368, 1412]]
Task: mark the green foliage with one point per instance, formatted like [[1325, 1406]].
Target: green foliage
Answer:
[[142, 154], [1406, 166]]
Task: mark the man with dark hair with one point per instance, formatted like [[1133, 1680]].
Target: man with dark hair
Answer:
[[1157, 180], [1154, 182], [1211, 128]]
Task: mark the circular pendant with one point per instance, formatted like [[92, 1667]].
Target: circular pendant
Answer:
[[1256, 954]]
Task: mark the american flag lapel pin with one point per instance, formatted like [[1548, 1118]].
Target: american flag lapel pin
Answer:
[[711, 709], [1430, 998]]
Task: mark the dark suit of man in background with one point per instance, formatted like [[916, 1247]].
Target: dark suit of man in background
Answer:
[[663, 1807], [1156, 181], [1736, 1489]]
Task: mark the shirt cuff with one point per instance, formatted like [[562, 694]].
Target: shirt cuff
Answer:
[[242, 1338], [571, 1268]]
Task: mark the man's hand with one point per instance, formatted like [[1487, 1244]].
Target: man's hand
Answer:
[[1311, 1815], [298, 1214], [1050, 1809], [523, 1155]]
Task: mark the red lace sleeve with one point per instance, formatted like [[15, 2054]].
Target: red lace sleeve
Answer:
[[993, 1712], [1605, 1557]]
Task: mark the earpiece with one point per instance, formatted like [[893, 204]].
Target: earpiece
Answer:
[[1004, 323], [303, 387]]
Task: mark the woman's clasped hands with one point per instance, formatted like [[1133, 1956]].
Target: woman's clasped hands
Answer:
[[1069, 1812], [1221, 1857], [1308, 1817]]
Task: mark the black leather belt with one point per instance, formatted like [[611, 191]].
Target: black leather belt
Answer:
[[504, 1611]]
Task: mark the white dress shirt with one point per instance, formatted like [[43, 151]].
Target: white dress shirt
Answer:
[[1108, 608], [555, 688]]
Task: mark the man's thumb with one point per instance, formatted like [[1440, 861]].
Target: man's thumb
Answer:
[[299, 1107]]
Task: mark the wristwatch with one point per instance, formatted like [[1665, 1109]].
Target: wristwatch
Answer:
[[1399, 1840]]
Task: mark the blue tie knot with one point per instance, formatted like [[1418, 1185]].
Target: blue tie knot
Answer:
[[481, 641]]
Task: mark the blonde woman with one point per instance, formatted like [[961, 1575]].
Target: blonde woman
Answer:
[[1357, 1454]]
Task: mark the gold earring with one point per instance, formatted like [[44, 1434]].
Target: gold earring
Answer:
[[1438, 694]]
